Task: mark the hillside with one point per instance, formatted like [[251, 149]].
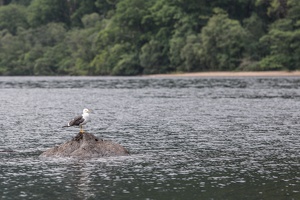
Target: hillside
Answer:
[[135, 37]]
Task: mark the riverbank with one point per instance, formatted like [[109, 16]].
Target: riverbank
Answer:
[[232, 74]]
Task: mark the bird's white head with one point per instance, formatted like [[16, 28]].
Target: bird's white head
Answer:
[[86, 110]]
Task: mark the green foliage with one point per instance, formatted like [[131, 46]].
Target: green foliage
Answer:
[[11, 54], [20, 2], [42, 12], [284, 46], [152, 59], [80, 8], [13, 17], [131, 37], [176, 44], [223, 42], [283, 41], [275, 8], [272, 62], [191, 54], [127, 65], [256, 28]]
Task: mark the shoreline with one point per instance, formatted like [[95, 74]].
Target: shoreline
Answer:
[[231, 74]]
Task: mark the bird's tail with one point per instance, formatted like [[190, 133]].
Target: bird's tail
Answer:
[[65, 126]]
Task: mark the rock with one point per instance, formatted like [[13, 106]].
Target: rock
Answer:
[[86, 145], [6, 150]]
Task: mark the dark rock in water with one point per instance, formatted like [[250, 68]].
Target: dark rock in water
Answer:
[[86, 145], [6, 150]]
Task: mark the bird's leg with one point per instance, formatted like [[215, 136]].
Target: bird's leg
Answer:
[[81, 129]]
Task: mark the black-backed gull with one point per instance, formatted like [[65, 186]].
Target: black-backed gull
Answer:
[[80, 120]]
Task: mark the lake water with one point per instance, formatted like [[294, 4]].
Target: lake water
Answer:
[[189, 138]]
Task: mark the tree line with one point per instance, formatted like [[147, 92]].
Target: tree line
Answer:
[[133, 37]]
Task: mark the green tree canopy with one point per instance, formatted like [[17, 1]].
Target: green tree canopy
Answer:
[[283, 40], [13, 17], [130, 37], [42, 12], [223, 42]]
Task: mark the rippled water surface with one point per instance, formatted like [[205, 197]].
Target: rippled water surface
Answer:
[[189, 138]]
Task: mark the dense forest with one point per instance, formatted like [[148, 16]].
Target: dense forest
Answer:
[[132, 37]]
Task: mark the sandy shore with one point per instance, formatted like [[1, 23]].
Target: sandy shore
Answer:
[[232, 74]]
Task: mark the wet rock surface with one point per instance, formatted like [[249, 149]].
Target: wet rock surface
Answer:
[[86, 145], [6, 150]]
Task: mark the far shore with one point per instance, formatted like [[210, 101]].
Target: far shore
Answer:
[[231, 74]]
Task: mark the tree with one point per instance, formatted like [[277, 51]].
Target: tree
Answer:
[[81, 44], [13, 17], [275, 8], [42, 12], [152, 58], [223, 42], [191, 54], [129, 37], [283, 40], [80, 8], [236, 9], [12, 51]]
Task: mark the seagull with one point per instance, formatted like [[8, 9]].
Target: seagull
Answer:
[[80, 120]]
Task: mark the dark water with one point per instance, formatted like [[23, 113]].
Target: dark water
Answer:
[[189, 138]]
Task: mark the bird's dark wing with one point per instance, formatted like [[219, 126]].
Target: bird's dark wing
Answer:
[[76, 121]]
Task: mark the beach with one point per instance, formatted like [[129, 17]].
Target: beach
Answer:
[[232, 74]]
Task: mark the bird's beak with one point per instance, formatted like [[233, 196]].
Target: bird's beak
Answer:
[[89, 110]]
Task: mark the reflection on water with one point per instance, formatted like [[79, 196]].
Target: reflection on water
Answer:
[[189, 138]]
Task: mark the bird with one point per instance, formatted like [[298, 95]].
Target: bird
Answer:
[[80, 120]]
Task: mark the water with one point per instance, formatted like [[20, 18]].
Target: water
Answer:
[[189, 138]]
